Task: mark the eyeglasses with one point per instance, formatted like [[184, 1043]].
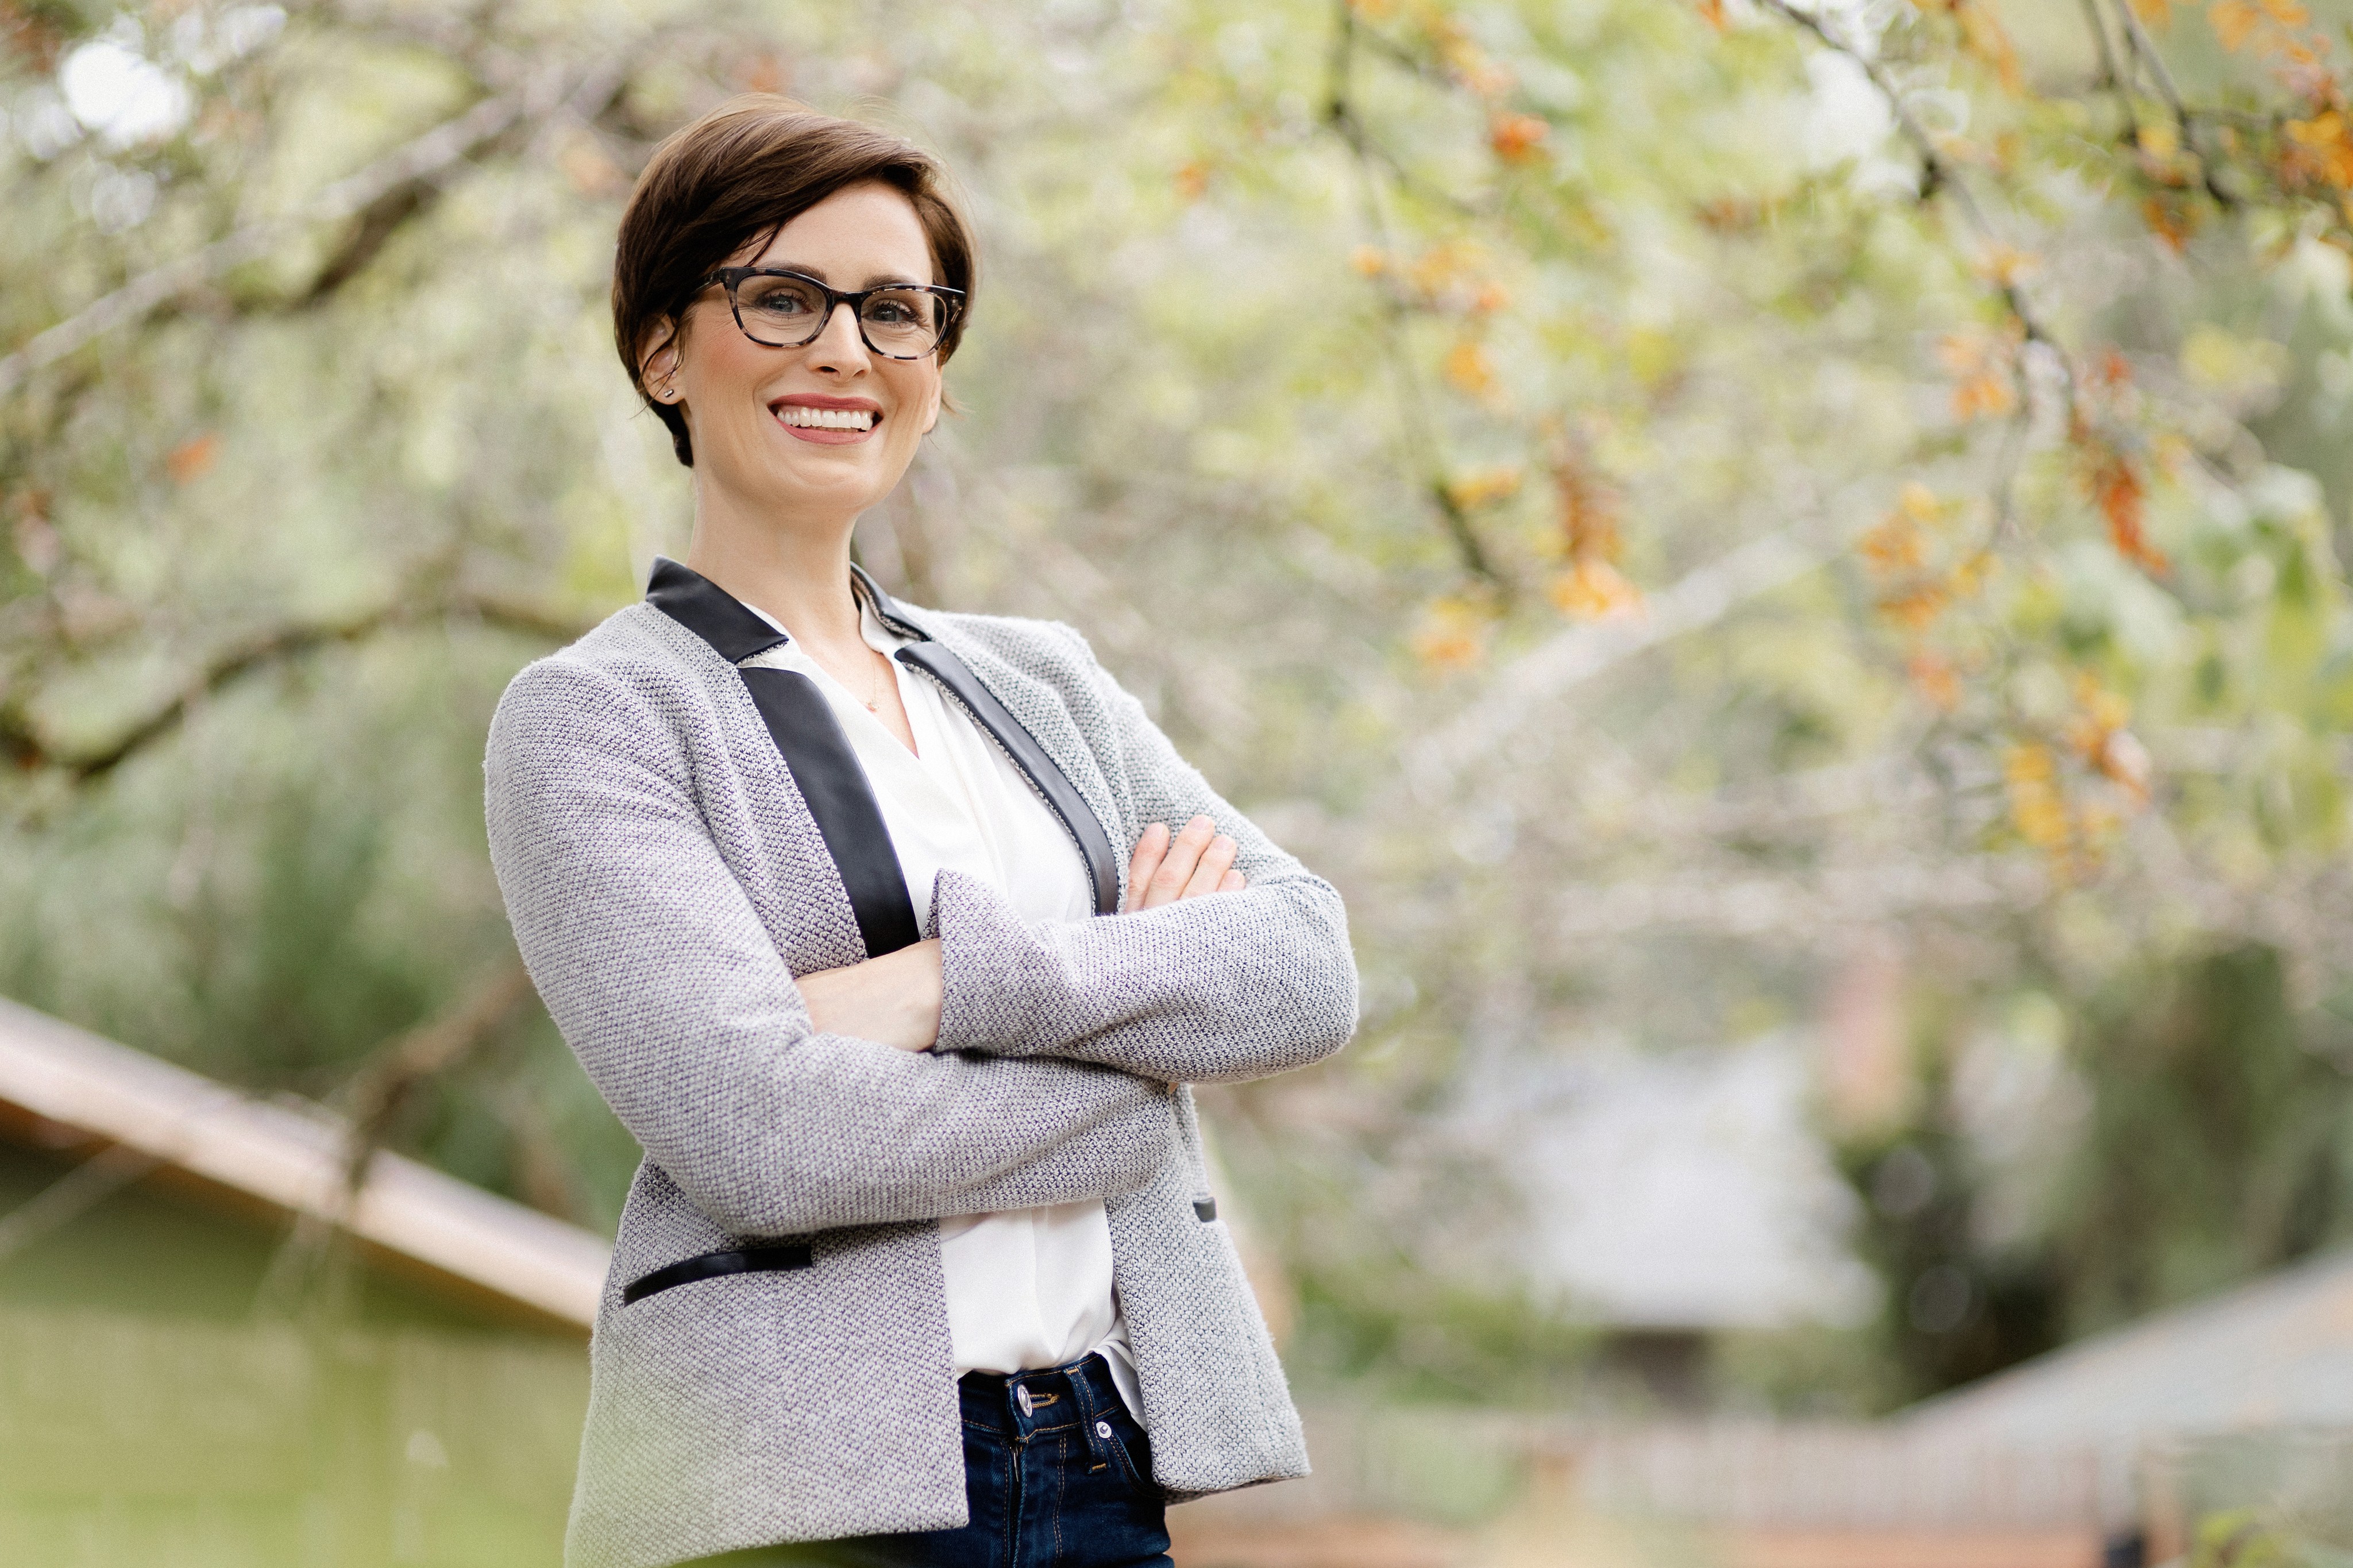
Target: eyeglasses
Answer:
[[783, 310]]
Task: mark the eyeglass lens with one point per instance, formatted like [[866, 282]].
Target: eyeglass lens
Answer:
[[786, 312]]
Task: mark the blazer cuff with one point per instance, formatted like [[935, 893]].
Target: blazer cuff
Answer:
[[997, 978]]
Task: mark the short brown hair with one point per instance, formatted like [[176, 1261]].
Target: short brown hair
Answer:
[[745, 170]]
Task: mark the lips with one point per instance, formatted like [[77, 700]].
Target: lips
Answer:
[[828, 421]]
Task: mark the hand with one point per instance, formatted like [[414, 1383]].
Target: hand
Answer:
[[1197, 862], [894, 998]]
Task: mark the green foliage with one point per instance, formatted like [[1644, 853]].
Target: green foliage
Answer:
[[1393, 1333], [2220, 1138], [2210, 1140]]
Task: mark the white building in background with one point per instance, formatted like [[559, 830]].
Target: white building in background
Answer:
[[1690, 1193]]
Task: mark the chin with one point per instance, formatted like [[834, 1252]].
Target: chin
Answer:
[[832, 486]]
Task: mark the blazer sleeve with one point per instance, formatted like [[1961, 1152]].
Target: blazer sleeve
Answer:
[[1238, 985], [656, 969]]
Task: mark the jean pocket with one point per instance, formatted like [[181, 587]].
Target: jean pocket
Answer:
[[1130, 1450]]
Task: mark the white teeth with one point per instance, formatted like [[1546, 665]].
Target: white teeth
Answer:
[[827, 418]]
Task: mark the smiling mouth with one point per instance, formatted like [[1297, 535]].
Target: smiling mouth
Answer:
[[802, 417]]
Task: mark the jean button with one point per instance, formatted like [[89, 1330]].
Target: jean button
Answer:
[[1102, 1428], [1021, 1398]]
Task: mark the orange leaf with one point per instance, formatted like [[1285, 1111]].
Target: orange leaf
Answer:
[[1594, 590], [193, 459], [1916, 608], [1936, 679], [2004, 265], [1193, 180], [1471, 370], [2234, 22], [1441, 266], [2119, 492], [1982, 35], [1981, 365], [2037, 809], [1984, 395], [2169, 221], [1712, 13], [1452, 635], [2323, 149], [1588, 512], [1518, 138], [1895, 546]]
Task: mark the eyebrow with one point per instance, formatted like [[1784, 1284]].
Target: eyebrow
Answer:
[[873, 279]]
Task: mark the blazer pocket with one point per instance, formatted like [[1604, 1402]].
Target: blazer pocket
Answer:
[[781, 1258]]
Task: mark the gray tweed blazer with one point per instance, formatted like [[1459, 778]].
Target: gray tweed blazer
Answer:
[[771, 1361]]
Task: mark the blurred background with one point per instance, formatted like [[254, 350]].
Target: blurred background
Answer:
[[1786, 557]]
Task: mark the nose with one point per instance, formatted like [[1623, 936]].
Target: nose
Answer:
[[838, 348]]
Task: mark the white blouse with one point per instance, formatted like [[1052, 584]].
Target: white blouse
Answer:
[[1028, 1288]]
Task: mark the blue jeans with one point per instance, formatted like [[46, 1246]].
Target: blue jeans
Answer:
[[1063, 1479]]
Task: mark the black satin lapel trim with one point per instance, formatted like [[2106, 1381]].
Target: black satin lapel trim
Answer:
[[814, 746], [886, 608], [709, 611], [1028, 756]]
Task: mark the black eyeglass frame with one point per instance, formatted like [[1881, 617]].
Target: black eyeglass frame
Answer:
[[731, 279]]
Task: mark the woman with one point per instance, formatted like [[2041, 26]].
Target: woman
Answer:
[[923, 1261]]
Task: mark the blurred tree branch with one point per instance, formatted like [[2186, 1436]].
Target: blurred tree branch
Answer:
[[1577, 653], [376, 1094], [1938, 174], [26, 743], [380, 196], [1372, 160], [2143, 49]]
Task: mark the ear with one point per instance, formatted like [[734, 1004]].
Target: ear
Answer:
[[658, 357]]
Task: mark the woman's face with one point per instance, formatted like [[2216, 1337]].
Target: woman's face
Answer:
[[747, 405]]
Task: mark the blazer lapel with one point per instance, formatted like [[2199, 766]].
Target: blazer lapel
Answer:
[[1035, 731], [815, 751]]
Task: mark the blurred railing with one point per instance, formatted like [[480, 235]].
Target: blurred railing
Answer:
[[1462, 1467]]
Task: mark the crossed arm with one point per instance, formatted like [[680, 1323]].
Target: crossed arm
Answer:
[[896, 999], [1180, 987]]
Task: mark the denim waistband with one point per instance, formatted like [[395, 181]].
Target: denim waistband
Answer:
[[1021, 1403]]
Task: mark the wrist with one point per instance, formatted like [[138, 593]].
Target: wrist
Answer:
[[994, 971]]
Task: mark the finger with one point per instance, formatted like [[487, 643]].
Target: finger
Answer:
[[1214, 862], [1151, 847], [1183, 855], [1232, 882]]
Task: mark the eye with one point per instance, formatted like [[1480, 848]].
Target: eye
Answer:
[[780, 299]]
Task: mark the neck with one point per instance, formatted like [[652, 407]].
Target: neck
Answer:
[[797, 570]]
